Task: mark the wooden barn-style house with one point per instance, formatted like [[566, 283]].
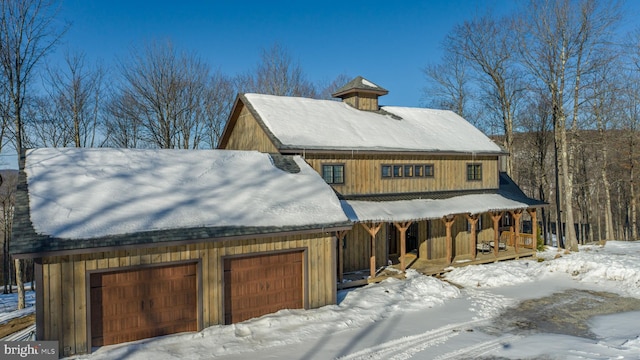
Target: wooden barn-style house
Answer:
[[303, 197], [130, 244], [423, 186]]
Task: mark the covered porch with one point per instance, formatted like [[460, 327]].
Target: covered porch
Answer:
[[459, 231]]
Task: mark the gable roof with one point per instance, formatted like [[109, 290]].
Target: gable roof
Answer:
[[84, 198], [298, 124]]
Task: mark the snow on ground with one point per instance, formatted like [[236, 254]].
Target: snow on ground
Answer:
[[9, 304], [427, 318], [615, 266]]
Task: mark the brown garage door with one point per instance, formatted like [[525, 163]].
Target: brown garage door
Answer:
[[259, 285], [136, 304]]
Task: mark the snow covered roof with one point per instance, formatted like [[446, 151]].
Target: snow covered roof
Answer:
[[96, 193], [422, 209], [311, 124]]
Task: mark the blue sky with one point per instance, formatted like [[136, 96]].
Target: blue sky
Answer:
[[387, 42]]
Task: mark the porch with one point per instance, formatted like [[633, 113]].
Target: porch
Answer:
[[441, 266]]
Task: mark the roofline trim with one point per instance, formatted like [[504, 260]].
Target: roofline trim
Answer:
[[79, 251], [299, 151]]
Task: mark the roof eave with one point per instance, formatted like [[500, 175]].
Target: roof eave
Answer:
[[155, 239], [380, 92], [296, 150]]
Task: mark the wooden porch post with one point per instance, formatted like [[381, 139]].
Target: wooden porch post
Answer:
[[517, 214], [495, 216], [341, 235], [402, 227], [372, 229], [473, 221], [448, 222], [534, 226]]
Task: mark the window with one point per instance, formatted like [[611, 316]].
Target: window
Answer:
[[408, 171], [474, 172], [428, 170], [386, 171], [333, 174]]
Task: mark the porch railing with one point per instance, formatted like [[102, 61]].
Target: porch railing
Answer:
[[526, 241]]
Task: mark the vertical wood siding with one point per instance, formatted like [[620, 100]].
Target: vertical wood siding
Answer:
[[65, 279], [363, 101], [363, 174], [432, 242], [357, 248], [248, 135]]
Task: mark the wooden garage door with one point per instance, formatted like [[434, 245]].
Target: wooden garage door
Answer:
[[259, 285], [136, 304]]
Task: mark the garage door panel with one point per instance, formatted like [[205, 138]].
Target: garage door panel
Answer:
[[258, 285], [135, 304]]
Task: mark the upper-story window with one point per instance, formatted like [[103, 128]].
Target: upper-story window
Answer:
[[333, 173], [474, 172], [386, 171], [428, 170], [406, 171], [397, 170]]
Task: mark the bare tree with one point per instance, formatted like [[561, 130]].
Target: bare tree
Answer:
[[329, 88], [555, 39], [277, 74], [536, 121], [630, 125], [487, 45], [603, 106], [220, 97], [45, 125], [448, 84], [6, 118], [76, 91], [27, 34], [162, 92], [122, 126], [7, 199]]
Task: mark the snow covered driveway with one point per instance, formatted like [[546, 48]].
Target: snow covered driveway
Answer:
[[426, 318]]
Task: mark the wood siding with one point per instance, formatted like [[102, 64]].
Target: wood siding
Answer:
[[432, 242], [65, 280], [357, 248], [362, 101], [248, 135], [363, 173], [435, 246]]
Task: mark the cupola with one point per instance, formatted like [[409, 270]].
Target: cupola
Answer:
[[361, 93]]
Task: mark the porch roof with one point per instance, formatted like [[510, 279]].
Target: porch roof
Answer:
[[425, 209]]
